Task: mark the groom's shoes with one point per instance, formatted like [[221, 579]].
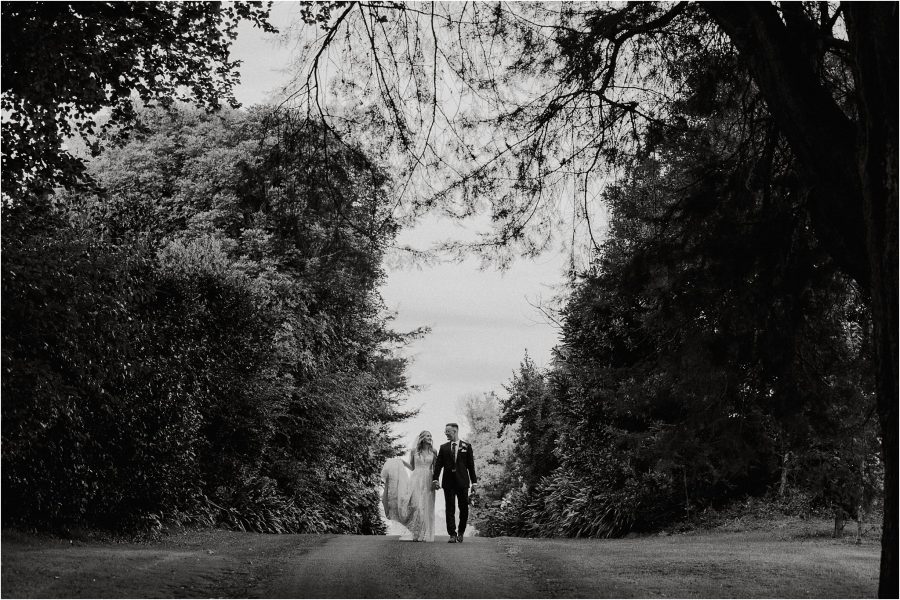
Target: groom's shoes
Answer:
[[452, 539], [459, 539]]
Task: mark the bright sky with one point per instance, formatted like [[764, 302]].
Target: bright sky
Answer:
[[482, 322]]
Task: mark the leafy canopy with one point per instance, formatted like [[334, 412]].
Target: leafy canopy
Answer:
[[67, 65]]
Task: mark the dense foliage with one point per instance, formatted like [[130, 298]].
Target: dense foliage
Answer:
[[202, 339], [712, 351]]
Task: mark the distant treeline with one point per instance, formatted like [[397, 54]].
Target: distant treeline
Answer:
[[196, 335]]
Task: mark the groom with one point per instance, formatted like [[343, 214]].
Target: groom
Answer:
[[456, 460]]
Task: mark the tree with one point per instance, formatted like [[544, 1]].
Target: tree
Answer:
[[529, 410], [860, 161], [197, 338], [66, 62], [495, 456], [707, 335], [569, 90]]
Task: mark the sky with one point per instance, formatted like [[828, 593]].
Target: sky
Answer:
[[482, 321]]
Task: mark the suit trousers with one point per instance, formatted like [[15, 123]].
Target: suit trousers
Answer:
[[452, 495]]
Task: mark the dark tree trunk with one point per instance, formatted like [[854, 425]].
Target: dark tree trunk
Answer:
[[785, 468], [821, 136], [853, 175], [860, 511], [872, 29], [840, 518]]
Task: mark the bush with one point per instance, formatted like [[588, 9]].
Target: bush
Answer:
[[566, 505]]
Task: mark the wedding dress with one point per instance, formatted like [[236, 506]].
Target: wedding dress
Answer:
[[409, 499]]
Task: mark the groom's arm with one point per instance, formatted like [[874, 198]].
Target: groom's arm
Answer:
[[470, 465], [438, 465]]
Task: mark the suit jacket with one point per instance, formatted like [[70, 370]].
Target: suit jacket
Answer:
[[459, 474]]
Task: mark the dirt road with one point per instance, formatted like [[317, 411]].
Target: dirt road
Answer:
[[230, 564]]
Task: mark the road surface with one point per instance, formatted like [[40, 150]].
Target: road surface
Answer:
[[232, 564]]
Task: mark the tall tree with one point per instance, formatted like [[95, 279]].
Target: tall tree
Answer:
[[201, 338], [559, 92], [709, 333], [851, 169], [528, 409]]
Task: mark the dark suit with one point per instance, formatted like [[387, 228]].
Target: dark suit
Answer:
[[458, 476]]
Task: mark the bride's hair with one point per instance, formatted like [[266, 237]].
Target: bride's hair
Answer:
[[422, 442]]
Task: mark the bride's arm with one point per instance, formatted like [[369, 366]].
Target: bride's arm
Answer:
[[411, 465]]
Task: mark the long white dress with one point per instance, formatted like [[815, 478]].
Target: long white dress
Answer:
[[409, 499]]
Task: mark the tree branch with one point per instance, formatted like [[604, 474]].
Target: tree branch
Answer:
[[820, 134]]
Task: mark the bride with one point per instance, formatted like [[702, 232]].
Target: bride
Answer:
[[409, 499]]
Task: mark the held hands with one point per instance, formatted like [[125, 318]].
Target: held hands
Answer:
[[435, 485]]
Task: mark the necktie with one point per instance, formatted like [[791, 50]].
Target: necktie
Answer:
[[453, 448]]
